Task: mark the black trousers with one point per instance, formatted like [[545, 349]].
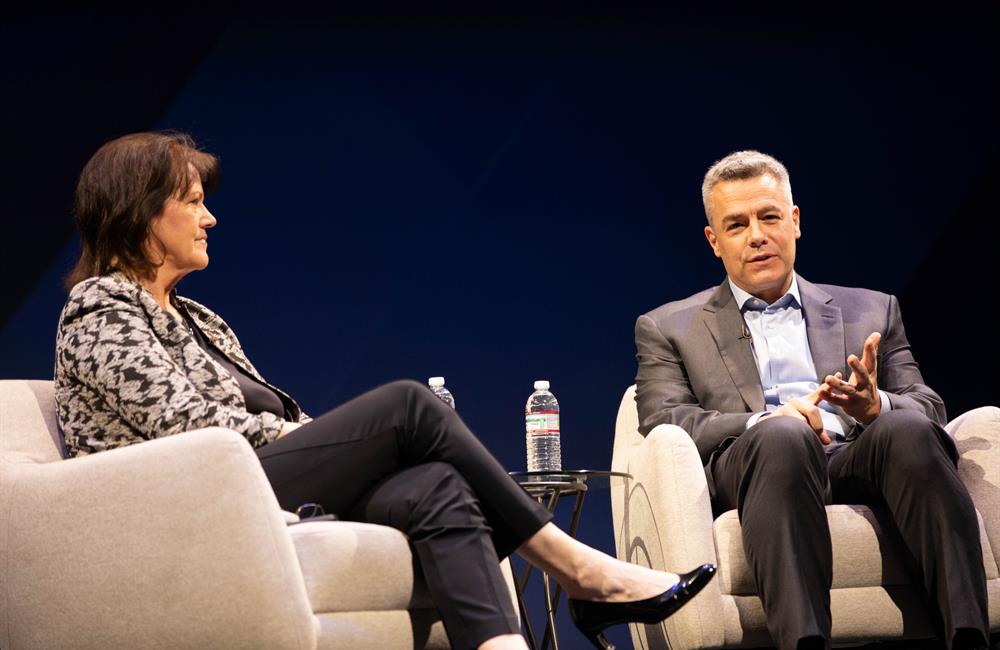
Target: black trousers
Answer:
[[400, 457], [779, 479]]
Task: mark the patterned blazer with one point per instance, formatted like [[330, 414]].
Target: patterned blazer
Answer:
[[127, 371]]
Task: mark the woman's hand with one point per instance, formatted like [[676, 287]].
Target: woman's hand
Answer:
[[287, 428]]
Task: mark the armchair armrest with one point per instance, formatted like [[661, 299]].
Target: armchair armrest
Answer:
[[977, 436], [668, 525], [176, 542], [667, 476], [663, 519]]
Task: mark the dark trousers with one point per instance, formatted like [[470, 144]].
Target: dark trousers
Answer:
[[779, 479], [400, 457]]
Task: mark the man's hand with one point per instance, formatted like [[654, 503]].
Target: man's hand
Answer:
[[805, 409], [858, 396], [287, 428]]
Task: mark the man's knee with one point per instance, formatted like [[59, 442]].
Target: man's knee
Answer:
[[910, 438], [907, 421], [781, 453], [786, 437]]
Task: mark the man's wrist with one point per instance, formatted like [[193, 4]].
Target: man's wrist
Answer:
[[875, 410]]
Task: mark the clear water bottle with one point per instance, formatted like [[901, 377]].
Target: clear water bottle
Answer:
[[541, 419], [437, 387]]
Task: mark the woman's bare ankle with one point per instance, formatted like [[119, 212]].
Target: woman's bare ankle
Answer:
[[504, 642], [616, 581], [588, 574]]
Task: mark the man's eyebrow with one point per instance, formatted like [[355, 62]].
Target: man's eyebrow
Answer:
[[768, 208], [736, 216]]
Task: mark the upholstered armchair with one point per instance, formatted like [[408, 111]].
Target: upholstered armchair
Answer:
[[180, 543], [663, 518]]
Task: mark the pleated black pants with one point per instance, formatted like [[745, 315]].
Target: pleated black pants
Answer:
[[400, 457], [779, 479]]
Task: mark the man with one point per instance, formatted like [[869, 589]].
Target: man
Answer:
[[763, 372]]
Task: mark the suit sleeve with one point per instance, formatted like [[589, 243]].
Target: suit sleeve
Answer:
[[664, 394], [898, 373], [110, 347]]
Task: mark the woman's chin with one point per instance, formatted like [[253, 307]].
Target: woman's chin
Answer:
[[196, 265]]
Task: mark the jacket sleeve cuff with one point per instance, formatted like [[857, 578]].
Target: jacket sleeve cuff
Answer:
[[270, 426], [886, 404]]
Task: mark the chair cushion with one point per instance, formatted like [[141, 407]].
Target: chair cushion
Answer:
[[350, 566], [29, 432], [863, 554]]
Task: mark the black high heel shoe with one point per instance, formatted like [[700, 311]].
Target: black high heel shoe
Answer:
[[593, 617]]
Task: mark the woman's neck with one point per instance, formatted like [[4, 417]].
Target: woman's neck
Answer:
[[161, 286]]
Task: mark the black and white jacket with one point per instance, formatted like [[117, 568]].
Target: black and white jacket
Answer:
[[127, 371]]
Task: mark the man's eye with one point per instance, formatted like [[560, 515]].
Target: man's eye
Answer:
[[771, 217], [734, 226]]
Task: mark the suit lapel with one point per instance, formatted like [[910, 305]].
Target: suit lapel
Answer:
[[824, 329], [165, 326], [724, 321]]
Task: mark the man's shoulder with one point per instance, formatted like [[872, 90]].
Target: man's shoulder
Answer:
[[856, 297], [683, 310]]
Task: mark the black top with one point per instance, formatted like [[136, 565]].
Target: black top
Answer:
[[258, 397]]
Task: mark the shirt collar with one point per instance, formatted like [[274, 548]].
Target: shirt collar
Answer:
[[791, 297]]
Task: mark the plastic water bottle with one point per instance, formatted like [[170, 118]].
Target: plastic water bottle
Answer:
[[541, 420], [437, 387]]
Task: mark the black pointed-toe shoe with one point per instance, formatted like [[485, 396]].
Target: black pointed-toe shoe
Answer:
[[593, 617]]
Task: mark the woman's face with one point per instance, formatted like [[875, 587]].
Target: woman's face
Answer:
[[181, 231]]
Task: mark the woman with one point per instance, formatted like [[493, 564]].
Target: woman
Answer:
[[135, 361]]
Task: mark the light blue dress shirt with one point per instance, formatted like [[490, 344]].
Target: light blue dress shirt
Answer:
[[784, 360]]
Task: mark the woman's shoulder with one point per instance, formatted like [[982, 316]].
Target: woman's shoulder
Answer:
[[99, 291]]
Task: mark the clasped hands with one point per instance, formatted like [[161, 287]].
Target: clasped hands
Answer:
[[858, 396]]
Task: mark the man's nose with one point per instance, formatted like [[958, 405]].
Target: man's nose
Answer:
[[755, 233]]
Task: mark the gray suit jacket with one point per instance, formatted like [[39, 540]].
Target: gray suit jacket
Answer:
[[698, 372]]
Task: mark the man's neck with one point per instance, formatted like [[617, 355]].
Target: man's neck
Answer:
[[769, 297]]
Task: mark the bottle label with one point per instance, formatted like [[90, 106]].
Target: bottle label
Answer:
[[542, 423]]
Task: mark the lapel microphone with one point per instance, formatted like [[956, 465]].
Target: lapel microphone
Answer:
[[746, 334]]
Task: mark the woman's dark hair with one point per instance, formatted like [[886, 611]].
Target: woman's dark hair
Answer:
[[122, 189]]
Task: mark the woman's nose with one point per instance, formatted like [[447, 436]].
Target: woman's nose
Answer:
[[208, 219]]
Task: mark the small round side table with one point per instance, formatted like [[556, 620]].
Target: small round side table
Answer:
[[548, 488]]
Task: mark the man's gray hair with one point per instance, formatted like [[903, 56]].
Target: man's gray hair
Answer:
[[742, 165]]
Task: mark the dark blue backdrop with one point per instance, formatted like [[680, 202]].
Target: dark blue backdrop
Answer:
[[496, 200]]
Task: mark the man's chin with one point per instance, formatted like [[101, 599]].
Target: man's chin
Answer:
[[765, 283]]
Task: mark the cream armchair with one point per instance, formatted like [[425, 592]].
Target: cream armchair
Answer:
[[663, 518], [180, 543]]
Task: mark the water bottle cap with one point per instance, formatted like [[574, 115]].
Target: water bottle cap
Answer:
[[434, 382], [542, 384]]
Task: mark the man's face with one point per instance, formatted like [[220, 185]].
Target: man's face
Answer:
[[754, 228]]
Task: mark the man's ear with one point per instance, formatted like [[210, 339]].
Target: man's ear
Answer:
[[712, 241], [795, 220]]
